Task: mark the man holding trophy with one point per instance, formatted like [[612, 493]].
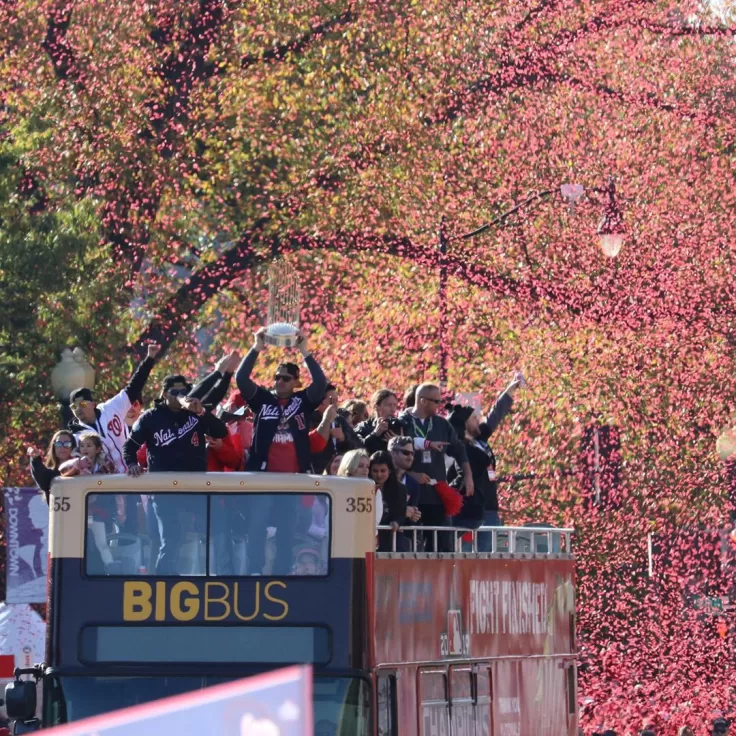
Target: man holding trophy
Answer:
[[281, 425]]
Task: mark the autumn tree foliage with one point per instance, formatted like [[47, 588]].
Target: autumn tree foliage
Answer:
[[155, 157]]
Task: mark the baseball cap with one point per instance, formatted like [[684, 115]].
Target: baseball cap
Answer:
[[169, 381]]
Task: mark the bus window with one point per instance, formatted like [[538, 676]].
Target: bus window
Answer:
[[197, 534], [435, 708], [386, 701], [341, 706], [461, 694], [133, 534], [483, 701], [271, 534]]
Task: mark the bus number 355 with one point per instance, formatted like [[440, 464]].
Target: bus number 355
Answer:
[[361, 505]]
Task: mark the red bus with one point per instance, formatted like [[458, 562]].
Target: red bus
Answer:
[[476, 644]]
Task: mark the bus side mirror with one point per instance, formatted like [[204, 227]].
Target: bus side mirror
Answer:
[[20, 700]]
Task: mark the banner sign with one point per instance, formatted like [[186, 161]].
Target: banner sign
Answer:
[[22, 638], [275, 704], [26, 532], [431, 609]]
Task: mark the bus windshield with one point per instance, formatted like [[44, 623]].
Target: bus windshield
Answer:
[[341, 704], [207, 534]]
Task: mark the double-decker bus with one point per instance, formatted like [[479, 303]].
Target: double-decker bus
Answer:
[[477, 644], [275, 569]]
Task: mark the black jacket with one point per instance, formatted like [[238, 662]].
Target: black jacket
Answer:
[[269, 412], [43, 475], [175, 440], [395, 498], [212, 389], [482, 464], [371, 442], [485, 496]]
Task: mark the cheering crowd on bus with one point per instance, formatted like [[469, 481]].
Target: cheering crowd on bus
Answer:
[[429, 470]]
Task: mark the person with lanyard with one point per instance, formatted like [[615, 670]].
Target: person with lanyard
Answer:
[[433, 437], [280, 445]]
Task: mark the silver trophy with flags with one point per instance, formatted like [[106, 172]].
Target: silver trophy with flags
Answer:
[[284, 305]]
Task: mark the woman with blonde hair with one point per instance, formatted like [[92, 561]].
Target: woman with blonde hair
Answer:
[[356, 464]]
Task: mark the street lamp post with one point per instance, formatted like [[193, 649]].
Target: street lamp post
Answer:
[[611, 227], [443, 305], [70, 373], [610, 232], [726, 449]]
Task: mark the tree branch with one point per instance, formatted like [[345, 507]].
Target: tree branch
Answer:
[[538, 64], [132, 206], [300, 43], [184, 304], [191, 296], [57, 46], [534, 13], [668, 29]]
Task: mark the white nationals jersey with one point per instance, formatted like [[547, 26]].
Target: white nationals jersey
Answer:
[[111, 427]]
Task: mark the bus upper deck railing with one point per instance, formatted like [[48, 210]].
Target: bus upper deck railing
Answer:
[[501, 540]]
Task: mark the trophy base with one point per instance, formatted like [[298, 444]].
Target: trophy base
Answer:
[[281, 335]]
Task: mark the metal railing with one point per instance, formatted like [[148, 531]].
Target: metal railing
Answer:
[[512, 540]]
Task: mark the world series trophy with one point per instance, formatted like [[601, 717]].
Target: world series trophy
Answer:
[[284, 305]]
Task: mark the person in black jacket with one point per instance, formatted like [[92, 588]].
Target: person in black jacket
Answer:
[[377, 431], [174, 433], [280, 445], [394, 493], [281, 426], [480, 509], [434, 438]]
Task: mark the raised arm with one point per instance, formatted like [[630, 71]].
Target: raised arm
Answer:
[[137, 381], [201, 389], [502, 407], [316, 390], [42, 475], [247, 387], [325, 426], [218, 392], [213, 387]]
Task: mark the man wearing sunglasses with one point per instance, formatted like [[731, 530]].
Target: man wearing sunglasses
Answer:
[[281, 427], [280, 444], [108, 418], [433, 437], [175, 433], [402, 453]]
